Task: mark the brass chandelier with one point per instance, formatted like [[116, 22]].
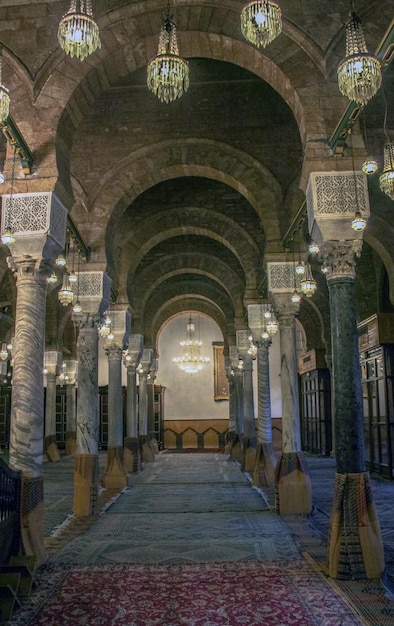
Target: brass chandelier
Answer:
[[168, 73], [360, 73], [261, 22], [78, 32], [191, 361]]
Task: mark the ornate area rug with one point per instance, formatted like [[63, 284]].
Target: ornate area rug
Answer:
[[224, 594]]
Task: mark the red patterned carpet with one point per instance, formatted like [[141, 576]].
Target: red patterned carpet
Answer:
[[226, 594]]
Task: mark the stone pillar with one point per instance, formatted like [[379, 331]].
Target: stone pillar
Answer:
[[236, 452], [250, 441], [52, 364], [151, 405], [355, 547], [231, 406], [38, 222], [264, 470], [143, 371], [94, 296], [293, 488], [115, 476], [70, 376], [132, 448]]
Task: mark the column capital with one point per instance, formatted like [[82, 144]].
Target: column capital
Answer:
[[70, 371], [340, 258], [113, 352], [285, 308], [146, 361], [26, 267], [120, 328], [134, 350]]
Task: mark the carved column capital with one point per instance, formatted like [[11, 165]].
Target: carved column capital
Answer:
[[285, 309], [114, 352], [28, 268], [340, 258]]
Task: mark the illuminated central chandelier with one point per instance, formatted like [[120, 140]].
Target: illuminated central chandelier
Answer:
[[78, 32], [191, 360], [168, 73], [261, 22], [359, 73]]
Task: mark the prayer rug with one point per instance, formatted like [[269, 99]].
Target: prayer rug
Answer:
[[225, 594]]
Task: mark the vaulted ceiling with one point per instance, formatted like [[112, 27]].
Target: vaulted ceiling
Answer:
[[179, 202]]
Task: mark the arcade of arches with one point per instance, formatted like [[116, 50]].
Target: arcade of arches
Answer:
[[199, 207]]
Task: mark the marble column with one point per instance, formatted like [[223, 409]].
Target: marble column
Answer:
[[264, 470], [71, 373], [293, 487], [115, 475], [94, 296], [355, 549], [52, 364], [132, 447], [31, 261], [143, 371], [151, 405], [250, 440], [236, 451], [231, 434]]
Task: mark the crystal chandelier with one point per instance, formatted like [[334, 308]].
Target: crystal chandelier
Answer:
[[360, 73], [308, 283], [386, 179], [4, 97], [168, 73], [66, 295], [78, 32], [261, 22], [191, 360]]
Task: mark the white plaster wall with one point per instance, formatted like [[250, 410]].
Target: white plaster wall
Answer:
[[190, 396]]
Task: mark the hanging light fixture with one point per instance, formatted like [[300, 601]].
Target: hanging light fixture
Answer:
[[370, 165], [360, 73], [168, 73], [4, 95], [191, 360], [78, 31], [52, 279], [359, 222], [7, 236], [261, 22], [308, 283], [386, 179], [66, 295], [313, 248], [77, 308]]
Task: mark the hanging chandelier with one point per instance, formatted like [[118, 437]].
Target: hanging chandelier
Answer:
[[78, 32], [66, 295], [360, 73], [261, 22], [386, 179], [308, 283], [168, 73], [4, 96], [191, 360]]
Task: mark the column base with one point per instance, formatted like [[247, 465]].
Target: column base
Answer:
[[355, 547], [147, 452], [264, 468], [293, 488], [249, 455], [153, 443], [230, 437], [86, 483], [51, 449], [114, 476], [237, 453], [132, 455], [71, 442], [32, 518]]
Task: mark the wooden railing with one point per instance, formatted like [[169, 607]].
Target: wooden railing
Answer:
[[10, 503]]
